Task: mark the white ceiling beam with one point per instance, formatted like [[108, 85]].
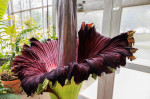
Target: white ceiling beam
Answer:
[[99, 4]]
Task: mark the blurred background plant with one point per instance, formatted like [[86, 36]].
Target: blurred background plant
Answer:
[[4, 90], [13, 37]]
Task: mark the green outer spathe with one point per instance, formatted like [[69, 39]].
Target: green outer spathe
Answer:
[[70, 91]]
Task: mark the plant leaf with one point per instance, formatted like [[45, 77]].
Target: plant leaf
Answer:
[[3, 7]]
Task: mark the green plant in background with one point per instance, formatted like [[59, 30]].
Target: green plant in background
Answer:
[[3, 7], [14, 36], [29, 29], [5, 93], [4, 90], [50, 35]]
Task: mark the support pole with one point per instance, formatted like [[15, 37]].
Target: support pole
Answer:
[[67, 29], [110, 28]]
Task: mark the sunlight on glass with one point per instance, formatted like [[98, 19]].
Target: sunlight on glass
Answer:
[[36, 3], [136, 18], [16, 4], [95, 17], [24, 4]]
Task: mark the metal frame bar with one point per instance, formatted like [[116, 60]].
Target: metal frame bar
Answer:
[[47, 14], [10, 21], [54, 6], [99, 4], [10, 11], [137, 67], [11, 6], [21, 12], [32, 9], [43, 16]]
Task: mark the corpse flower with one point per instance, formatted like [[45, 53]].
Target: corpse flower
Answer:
[[37, 65]]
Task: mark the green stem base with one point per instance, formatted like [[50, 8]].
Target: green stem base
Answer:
[[69, 91]]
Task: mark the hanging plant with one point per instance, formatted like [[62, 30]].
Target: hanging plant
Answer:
[[37, 65]]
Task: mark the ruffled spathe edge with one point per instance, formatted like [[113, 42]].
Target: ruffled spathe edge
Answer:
[[96, 54]]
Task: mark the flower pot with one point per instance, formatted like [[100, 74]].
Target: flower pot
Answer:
[[15, 85]]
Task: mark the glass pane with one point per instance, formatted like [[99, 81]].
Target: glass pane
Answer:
[[89, 89], [49, 17], [131, 84], [36, 3], [37, 16], [18, 19], [45, 2], [24, 4], [137, 18], [95, 17], [25, 15], [16, 5]]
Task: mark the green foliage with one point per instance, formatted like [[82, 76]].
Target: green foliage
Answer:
[[3, 7], [2, 55], [42, 87], [5, 66], [52, 34], [14, 37], [23, 36], [9, 96], [4, 90]]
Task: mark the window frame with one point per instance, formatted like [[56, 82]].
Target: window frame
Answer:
[[12, 12]]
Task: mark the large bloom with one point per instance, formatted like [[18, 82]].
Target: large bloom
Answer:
[[96, 54]]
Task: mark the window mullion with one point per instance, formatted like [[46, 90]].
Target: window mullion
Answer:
[[21, 12], [43, 15], [30, 8]]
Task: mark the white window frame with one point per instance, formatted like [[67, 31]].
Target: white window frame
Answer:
[[12, 12], [111, 27]]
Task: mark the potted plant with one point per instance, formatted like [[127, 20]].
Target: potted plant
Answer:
[[13, 84], [13, 37], [6, 93], [4, 90], [9, 79]]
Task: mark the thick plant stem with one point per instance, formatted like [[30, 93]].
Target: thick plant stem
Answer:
[[67, 29]]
